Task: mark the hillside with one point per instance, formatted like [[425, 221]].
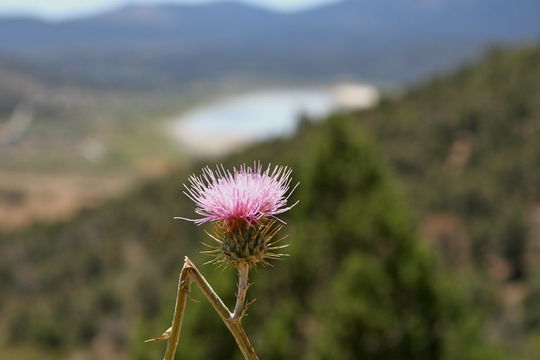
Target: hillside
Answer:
[[171, 46], [99, 284], [467, 151], [468, 145], [59, 140], [14, 88]]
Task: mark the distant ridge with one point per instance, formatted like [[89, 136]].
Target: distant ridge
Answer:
[[394, 40]]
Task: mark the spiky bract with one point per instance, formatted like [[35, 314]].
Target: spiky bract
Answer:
[[249, 244]]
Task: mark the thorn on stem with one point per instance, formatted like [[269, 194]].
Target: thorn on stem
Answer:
[[244, 311], [164, 336]]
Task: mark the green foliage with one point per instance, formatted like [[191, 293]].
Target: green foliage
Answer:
[[378, 293], [467, 144]]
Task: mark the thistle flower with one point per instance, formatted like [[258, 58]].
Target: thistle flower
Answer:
[[243, 205], [247, 194]]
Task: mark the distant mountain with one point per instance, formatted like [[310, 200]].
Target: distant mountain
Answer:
[[178, 44]]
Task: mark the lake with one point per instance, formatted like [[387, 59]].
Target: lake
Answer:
[[232, 122]]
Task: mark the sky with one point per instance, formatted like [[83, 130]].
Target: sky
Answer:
[[61, 9]]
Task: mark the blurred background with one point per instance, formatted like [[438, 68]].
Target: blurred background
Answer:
[[413, 127]]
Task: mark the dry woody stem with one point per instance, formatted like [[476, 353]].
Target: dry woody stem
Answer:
[[190, 274]]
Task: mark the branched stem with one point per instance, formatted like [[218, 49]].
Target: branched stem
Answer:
[[181, 299], [191, 274]]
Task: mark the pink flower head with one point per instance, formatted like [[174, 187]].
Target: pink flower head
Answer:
[[247, 194]]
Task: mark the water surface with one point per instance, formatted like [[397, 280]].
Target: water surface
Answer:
[[229, 123]]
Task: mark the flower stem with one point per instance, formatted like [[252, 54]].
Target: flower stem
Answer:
[[191, 274], [243, 274]]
